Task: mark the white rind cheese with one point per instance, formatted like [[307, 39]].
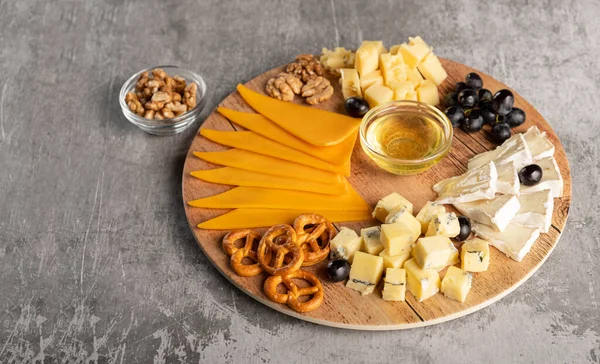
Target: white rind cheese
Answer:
[[536, 210], [538, 143], [508, 179], [514, 149], [551, 178], [497, 212], [476, 184], [515, 241]]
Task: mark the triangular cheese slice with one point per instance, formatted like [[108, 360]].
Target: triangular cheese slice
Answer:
[[315, 126], [254, 197], [239, 177], [338, 154], [253, 142], [252, 218], [261, 163]]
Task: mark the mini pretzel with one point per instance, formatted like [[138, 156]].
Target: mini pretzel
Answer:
[[294, 292], [280, 241], [246, 251], [314, 233]]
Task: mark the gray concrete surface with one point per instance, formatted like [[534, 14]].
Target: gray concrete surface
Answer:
[[97, 264]]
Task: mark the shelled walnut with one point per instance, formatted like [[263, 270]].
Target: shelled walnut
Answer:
[[305, 67], [159, 96], [317, 90], [284, 87]]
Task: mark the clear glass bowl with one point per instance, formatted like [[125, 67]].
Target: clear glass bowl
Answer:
[[168, 126], [406, 109]]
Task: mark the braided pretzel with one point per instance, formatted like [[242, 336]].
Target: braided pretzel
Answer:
[[294, 292], [279, 241], [246, 251], [314, 233]]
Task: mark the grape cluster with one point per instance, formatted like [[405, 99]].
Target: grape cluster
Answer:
[[471, 107]]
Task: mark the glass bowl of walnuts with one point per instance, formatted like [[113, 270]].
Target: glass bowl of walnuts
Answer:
[[163, 100]]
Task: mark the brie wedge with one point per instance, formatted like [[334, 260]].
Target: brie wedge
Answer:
[[497, 212], [539, 146], [508, 179], [476, 184], [515, 241], [514, 149], [536, 210], [551, 178]]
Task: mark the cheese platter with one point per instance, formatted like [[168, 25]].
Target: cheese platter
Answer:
[[285, 174]]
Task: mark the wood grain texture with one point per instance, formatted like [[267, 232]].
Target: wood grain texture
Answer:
[[343, 307]]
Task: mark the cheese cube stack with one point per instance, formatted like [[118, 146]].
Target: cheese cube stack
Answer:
[[395, 261], [365, 272], [371, 240], [422, 283], [456, 284], [445, 224], [394, 288], [475, 255], [345, 244], [396, 239], [388, 203], [428, 212], [434, 252]]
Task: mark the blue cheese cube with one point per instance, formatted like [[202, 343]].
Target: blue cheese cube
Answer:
[[396, 239], [422, 283], [401, 216], [434, 252], [371, 240], [345, 244], [388, 203], [445, 224], [456, 284], [365, 273], [394, 261], [475, 255], [428, 212], [394, 288]]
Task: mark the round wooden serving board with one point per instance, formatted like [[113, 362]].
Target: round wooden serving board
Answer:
[[343, 307]]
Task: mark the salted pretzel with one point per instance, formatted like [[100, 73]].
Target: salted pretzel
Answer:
[[294, 292], [277, 244], [314, 234], [246, 251]]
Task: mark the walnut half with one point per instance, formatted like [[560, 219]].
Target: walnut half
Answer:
[[305, 67], [283, 87], [317, 90]]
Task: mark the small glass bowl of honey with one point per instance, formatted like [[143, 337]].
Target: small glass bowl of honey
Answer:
[[406, 137]]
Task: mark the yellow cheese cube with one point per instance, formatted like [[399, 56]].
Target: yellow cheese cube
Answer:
[[365, 272], [414, 52], [394, 49], [445, 224], [394, 288], [475, 255], [392, 68], [422, 283], [345, 244], [400, 216], [432, 69], [427, 213], [367, 56], [394, 261], [370, 79], [402, 88], [378, 94], [371, 240], [350, 83], [388, 203], [413, 75], [396, 239], [428, 93], [337, 59], [456, 284], [433, 252]]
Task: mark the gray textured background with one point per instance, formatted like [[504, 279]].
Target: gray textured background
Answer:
[[97, 263]]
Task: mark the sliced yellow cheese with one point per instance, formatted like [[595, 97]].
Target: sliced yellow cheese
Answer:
[[315, 126], [338, 154], [267, 198], [250, 161], [253, 142], [239, 177], [252, 218]]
